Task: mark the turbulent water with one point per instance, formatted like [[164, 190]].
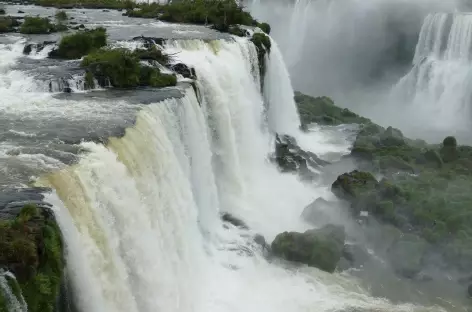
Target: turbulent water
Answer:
[[139, 180]]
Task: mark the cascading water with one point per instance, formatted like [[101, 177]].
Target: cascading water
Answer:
[[14, 300], [140, 215], [439, 86]]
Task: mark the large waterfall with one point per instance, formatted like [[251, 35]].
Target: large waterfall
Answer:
[[140, 213]]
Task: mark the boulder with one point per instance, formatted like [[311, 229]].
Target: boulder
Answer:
[[392, 137], [318, 211], [291, 158], [448, 151], [321, 248], [353, 184], [184, 70], [229, 218]]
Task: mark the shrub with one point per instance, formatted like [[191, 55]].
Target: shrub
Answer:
[[61, 16], [119, 66], [81, 43], [122, 69], [152, 54], [8, 24], [36, 25], [264, 27]]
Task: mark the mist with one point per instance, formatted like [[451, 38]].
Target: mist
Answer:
[[358, 51]]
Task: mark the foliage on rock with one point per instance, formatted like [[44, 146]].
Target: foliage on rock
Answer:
[[76, 45], [320, 248], [31, 248], [122, 69], [8, 24], [321, 110], [37, 25]]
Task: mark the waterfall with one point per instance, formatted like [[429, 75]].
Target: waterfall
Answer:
[[8, 290], [440, 81], [139, 215]]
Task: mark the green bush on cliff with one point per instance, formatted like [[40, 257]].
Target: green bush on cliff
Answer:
[[31, 248], [37, 25], [152, 54], [264, 27], [81, 43], [122, 69], [321, 110]]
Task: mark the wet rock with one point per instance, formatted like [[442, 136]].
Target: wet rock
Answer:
[[321, 248], [20, 12], [37, 46], [229, 218], [184, 70], [353, 184], [318, 211], [291, 158], [149, 42]]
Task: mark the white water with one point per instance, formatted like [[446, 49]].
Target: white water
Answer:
[[140, 215], [13, 303], [439, 86]]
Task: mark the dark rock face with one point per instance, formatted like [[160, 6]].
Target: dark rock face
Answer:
[[229, 218], [320, 248], [184, 70], [291, 158]]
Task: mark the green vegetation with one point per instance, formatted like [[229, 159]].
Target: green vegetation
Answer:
[[263, 45], [37, 25], [264, 27], [61, 16], [31, 248], [81, 43], [8, 24], [321, 248], [122, 69], [89, 4], [321, 110], [221, 14], [424, 190]]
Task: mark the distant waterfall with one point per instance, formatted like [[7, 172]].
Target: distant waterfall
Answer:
[[439, 86]]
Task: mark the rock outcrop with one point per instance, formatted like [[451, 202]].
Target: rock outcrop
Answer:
[[320, 248]]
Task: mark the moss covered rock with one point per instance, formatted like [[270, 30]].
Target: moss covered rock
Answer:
[[31, 248], [263, 45], [320, 248], [353, 185]]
